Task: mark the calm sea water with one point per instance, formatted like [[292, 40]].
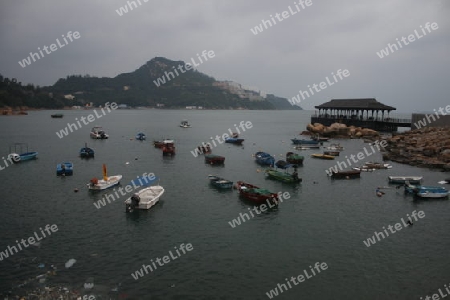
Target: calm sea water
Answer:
[[323, 221]]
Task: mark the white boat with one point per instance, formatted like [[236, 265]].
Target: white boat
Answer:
[[364, 169], [185, 124], [335, 147], [145, 198], [107, 181], [97, 132], [404, 179]]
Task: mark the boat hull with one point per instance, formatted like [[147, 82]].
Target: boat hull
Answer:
[[148, 197], [28, 156], [322, 156], [220, 183], [234, 141], [346, 174], [103, 185], [64, 169], [214, 159], [282, 177], [404, 179], [250, 192], [293, 158], [264, 159], [304, 142]]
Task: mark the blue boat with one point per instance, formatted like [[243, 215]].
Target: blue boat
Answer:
[[220, 182], [282, 164], [426, 191], [264, 159], [233, 140], [86, 152], [297, 141], [64, 169], [18, 155], [140, 136]]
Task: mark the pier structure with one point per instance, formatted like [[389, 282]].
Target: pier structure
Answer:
[[364, 112]]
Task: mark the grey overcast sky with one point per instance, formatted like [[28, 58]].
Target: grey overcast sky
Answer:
[[302, 49]]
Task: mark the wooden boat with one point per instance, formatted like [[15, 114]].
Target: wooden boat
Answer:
[[376, 165], [168, 149], [213, 159], [293, 158], [322, 156], [57, 115], [64, 169], [86, 152], [264, 159], [97, 132], [141, 136], [404, 179], [282, 164], [351, 174], [220, 183], [145, 198], [185, 124], [333, 153], [335, 147], [21, 153], [160, 144], [107, 181], [297, 141], [426, 191], [255, 194], [233, 140], [283, 176], [363, 169]]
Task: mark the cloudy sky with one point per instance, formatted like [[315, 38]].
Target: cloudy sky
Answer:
[[302, 49]]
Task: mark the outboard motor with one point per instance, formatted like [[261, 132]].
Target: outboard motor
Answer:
[[135, 199]]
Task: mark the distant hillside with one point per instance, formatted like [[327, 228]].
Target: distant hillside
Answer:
[[281, 103]]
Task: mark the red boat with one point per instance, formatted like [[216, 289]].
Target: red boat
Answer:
[[255, 194], [214, 159], [169, 148]]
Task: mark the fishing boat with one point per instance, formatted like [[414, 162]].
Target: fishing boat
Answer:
[[213, 159], [297, 141], [322, 156], [376, 165], [255, 194], [351, 174], [97, 132], [220, 183], [307, 147], [283, 176], [282, 164], [141, 136], [404, 179], [233, 140], [293, 158], [64, 169], [107, 181], [320, 138], [145, 198], [185, 124], [57, 115], [334, 153], [160, 144], [364, 169], [21, 153], [168, 148], [86, 152], [426, 191], [264, 159], [335, 147]]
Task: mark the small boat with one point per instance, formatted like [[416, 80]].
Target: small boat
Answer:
[[334, 153], [168, 148], [145, 198], [57, 115], [297, 141], [335, 147], [351, 174], [283, 176], [404, 179], [140, 136], [160, 144], [220, 182], [107, 181], [293, 158], [322, 156], [185, 124], [86, 152], [376, 165], [320, 138], [282, 164], [64, 169], [233, 140], [307, 147], [264, 159], [255, 194], [21, 153], [426, 191], [97, 132], [213, 159], [364, 169]]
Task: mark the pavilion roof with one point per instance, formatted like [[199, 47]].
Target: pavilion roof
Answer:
[[357, 104]]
